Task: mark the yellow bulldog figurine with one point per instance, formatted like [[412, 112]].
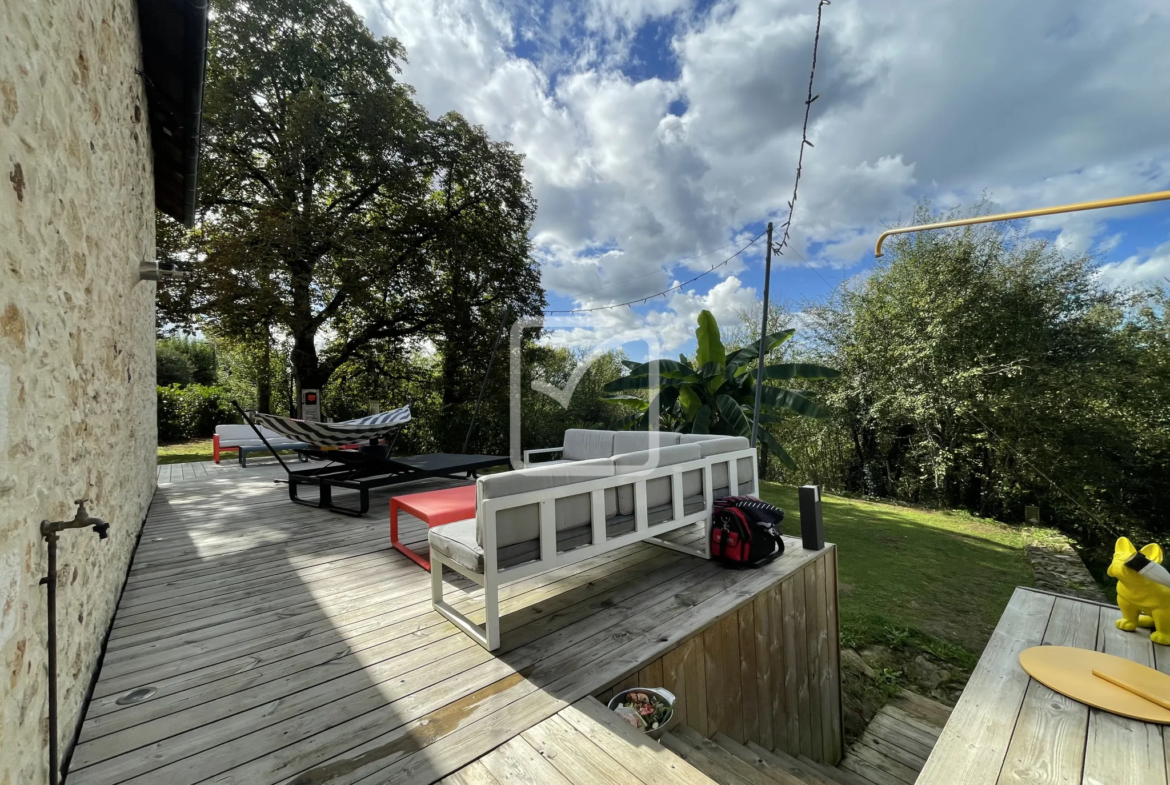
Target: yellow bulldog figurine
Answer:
[[1143, 589]]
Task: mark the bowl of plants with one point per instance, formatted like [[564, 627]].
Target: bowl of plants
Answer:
[[649, 709]]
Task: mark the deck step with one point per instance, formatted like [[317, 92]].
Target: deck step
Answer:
[[797, 768], [654, 763], [714, 761], [899, 739], [925, 709], [832, 774], [757, 762]]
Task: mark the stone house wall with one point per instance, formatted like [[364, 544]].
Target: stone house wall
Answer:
[[77, 372]]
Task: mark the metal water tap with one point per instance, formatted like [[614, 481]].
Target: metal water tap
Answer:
[[50, 529]]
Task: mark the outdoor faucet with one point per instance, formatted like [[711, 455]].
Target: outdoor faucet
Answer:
[[49, 529]]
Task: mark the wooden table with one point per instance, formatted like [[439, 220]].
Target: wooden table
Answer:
[[1008, 728], [433, 508]]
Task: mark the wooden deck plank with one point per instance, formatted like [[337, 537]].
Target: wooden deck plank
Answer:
[[696, 678], [762, 614], [733, 705], [831, 673], [516, 762], [1048, 742], [474, 773], [972, 747], [575, 756], [749, 694], [1118, 750]]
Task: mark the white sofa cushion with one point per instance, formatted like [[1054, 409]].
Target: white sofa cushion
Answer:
[[456, 541], [657, 490], [721, 481], [522, 524], [638, 441], [711, 444], [581, 444], [234, 435]]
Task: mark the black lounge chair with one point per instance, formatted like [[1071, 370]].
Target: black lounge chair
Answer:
[[371, 466]]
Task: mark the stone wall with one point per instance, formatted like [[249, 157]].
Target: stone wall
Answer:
[[76, 344]]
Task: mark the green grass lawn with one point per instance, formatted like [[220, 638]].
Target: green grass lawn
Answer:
[[185, 452], [937, 581]]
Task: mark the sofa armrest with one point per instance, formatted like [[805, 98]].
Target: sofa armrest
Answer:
[[529, 453]]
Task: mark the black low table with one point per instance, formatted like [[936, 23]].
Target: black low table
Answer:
[[363, 471]]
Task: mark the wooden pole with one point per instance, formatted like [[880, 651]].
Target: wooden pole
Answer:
[[763, 334]]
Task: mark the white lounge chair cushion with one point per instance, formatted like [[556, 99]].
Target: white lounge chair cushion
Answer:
[[638, 441], [582, 444]]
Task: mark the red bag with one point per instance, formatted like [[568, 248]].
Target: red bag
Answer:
[[745, 531]]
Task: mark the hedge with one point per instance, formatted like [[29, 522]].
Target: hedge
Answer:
[[193, 411]]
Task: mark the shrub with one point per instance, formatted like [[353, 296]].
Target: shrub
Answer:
[[193, 411], [172, 366]]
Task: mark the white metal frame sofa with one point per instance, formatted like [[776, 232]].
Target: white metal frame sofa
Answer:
[[243, 439], [625, 487]]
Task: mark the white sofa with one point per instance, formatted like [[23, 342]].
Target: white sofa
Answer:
[[243, 439], [625, 487]]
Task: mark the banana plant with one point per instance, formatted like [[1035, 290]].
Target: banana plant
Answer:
[[716, 392]]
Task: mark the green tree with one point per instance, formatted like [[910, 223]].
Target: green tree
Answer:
[[986, 370], [185, 360], [715, 392], [334, 210], [171, 365]]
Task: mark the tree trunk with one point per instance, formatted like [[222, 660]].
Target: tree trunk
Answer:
[[264, 382], [306, 366]]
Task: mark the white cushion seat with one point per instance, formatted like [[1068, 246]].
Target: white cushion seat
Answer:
[[582, 444]]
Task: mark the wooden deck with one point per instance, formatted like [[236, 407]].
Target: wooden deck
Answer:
[[262, 642], [1008, 728]]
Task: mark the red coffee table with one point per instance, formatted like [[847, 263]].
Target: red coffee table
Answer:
[[435, 508]]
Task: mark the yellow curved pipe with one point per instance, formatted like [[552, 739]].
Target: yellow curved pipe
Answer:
[[1066, 208]]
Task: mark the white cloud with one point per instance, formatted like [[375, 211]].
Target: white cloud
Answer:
[[1138, 271], [673, 325], [1036, 104]]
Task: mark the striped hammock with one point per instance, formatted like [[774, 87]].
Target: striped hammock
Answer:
[[336, 434]]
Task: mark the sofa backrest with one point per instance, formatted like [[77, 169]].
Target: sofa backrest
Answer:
[[637, 441], [244, 433], [713, 444], [521, 524], [658, 490], [582, 444]]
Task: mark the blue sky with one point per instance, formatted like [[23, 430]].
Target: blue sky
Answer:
[[656, 130]]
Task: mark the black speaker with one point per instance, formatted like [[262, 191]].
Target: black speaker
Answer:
[[812, 525]]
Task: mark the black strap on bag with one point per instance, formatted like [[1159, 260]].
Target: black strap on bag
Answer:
[[745, 531]]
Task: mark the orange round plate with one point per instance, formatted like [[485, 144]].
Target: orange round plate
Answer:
[[1069, 671]]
